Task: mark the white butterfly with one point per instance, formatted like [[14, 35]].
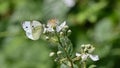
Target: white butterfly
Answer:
[[33, 29]]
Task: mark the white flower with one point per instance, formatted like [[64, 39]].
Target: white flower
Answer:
[[48, 29], [85, 56], [61, 26], [51, 27]]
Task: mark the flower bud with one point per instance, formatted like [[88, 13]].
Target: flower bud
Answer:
[[66, 27], [61, 34], [88, 46], [59, 52], [82, 46], [51, 54], [69, 32], [47, 38], [91, 49], [56, 59]]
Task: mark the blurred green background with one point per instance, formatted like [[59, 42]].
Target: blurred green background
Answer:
[[92, 21]]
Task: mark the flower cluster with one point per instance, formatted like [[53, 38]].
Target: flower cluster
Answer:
[[54, 30], [53, 25], [86, 51]]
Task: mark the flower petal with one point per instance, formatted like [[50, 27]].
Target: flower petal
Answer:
[[84, 57], [50, 29], [78, 54], [94, 57], [61, 26]]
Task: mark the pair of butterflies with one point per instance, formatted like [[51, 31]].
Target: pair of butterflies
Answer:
[[33, 29]]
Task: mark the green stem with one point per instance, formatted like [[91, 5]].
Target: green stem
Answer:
[[67, 55], [83, 64]]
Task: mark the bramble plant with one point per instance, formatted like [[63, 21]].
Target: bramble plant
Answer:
[[57, 34]]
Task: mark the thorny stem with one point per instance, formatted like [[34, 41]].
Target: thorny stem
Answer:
[[70, 60]]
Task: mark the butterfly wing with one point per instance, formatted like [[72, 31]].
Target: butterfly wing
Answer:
[[27, 28], [37, 29]]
